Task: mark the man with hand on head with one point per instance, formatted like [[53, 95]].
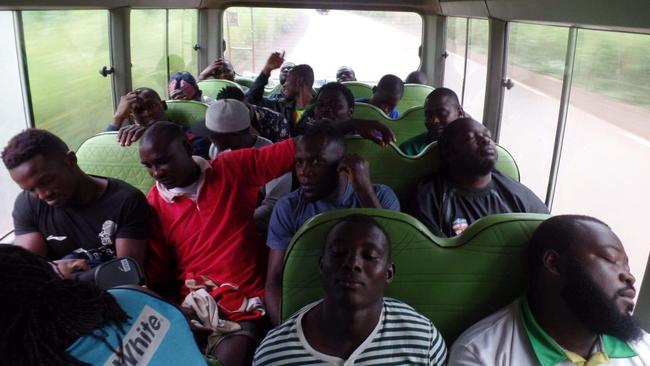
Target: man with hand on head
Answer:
[[183, 86], [140, 109], [74, 218], [218, 69], [354, 324], [578, 309], [468, 187], [329, 180], [441, 107]]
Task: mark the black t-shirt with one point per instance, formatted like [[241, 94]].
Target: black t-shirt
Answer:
[[120, 212], [447, 210]]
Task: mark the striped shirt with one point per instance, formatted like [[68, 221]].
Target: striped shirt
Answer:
[[401, 337]]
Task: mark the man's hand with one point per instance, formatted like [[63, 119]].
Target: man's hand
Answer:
[[124, 108], [68, 266], [130, 134], [274, 62], [374, 131], [178, 94], [211, 70], [357, 170]]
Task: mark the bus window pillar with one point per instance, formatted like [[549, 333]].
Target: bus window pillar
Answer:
[[432, 56], [496, 76], [120, 52], [210, 36]]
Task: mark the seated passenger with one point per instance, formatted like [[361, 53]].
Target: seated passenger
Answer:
[[183, 86], [296, 91], [205, 227], [275, 60], [386, 95], [230, 124], [329, 180], [268, 123], [140, 109], [47, 320], [578, 309], [345, 73], [67, 215], [218, 69], [468, 187], [334, 102], [417, 77], [440, 109], [354, 324]]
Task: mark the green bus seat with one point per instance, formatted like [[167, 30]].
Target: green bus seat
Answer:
[[186, 112], [390, 166], [452, 281], [358, 89], [212, 87], [102, 155], [410, 123], [244, 81], [414, 96], [273, 90]]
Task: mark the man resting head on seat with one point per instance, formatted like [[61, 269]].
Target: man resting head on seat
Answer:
[[230, 125], [345, 73], [417, 77], [354, 323], [69, 216], [47, 320], [329, 180], [467, 187], [578, 309], [440, 109], [386, 95], [183, 86], [218, 69], [205, 226]]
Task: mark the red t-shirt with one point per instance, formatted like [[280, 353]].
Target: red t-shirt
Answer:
[[216, 237]]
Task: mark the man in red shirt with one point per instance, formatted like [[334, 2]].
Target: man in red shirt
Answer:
[[205, 224]]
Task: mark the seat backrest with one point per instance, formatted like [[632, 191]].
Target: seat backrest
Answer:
[[452, 281], [390, 166], [410, 123], [102, 155], [358, 89], [273, 90], [244, 81], [186, 112], [414, 96], [212, 87]]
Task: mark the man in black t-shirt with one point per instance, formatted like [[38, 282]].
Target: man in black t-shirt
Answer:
[[468, 187], [64, 213]]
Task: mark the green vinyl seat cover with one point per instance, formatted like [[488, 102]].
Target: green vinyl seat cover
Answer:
[[102, 155], [452, 281], [358, 89], [390, 166], [410, 123], [414, 96], [185, 112], [212, 87], [244, 81]]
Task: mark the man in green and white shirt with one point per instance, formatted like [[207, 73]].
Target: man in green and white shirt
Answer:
[[578, 309], [354, 324]]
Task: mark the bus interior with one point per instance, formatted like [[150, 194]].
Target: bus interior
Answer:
[[563, 86]]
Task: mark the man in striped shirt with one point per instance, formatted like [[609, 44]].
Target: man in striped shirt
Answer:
[[354, 324]]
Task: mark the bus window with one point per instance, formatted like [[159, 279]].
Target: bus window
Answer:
[[455, 61], [65, 51], [476, 73], [162, 43], [372, 43], [12, 111], [604, 170], [536, 57]]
